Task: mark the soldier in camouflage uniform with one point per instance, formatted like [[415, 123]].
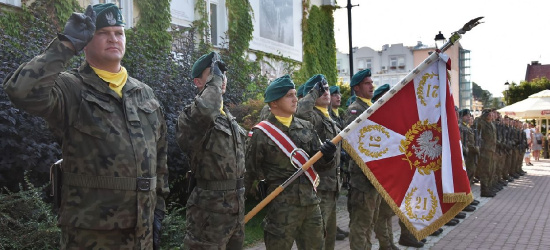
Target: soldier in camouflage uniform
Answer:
[[112, 131], [215, 143], [314, 108], [294, 215], [469, 146], [488, 146], [363, 198], [335, 102]]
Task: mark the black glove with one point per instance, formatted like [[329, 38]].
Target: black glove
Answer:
[[157, 224], [218, 66], [328, 149], [343, 155], [322, 86], [80, 29]]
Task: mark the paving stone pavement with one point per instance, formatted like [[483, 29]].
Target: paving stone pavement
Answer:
[[516, 218]]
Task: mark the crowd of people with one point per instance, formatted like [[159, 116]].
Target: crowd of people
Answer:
[[115, 177]]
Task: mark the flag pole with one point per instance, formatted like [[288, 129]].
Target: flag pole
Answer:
[[426, 63]]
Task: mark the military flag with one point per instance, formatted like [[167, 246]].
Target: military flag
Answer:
[[408, 145]]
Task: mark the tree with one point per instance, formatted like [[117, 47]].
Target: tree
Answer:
[[481, 95], [522, 91]]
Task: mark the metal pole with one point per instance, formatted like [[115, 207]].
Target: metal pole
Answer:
[[349, 6]]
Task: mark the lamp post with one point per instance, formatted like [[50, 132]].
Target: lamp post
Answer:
[[439, 40], [506, 88]]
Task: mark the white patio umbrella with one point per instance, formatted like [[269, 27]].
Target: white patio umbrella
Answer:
[[536, 106]]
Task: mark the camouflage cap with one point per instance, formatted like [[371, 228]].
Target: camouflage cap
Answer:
[[107, 14], [359, 76], [379, 92], [310, 83], [278, 88], [334, 90], [201, 64], [300, 91]]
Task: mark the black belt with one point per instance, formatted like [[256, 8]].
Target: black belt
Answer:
[[222, 185]]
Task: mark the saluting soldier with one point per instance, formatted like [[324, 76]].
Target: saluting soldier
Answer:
[[363, 198], [314, 107], [215, 144], [294, 215], [112, 129]]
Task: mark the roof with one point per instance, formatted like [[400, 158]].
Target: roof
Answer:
[[537, 70]]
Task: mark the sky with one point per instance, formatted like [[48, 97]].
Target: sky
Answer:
[[513, 33]]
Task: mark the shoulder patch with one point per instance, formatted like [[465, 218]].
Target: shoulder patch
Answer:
[[353, 111], [250, 133]]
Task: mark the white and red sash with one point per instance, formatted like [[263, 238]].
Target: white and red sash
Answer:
[[288, 147]]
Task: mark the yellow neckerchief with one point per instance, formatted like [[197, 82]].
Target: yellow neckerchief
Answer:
[[324, 111], [284, 120], [336, 112], [365, 100], [116, 80], [221, 110], [466, 124]]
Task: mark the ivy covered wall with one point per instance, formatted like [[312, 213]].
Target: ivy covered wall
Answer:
[[319, 45]]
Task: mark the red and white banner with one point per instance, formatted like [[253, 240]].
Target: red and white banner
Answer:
[[408, 145]]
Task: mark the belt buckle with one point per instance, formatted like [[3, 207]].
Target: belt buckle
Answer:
[[143, 184]]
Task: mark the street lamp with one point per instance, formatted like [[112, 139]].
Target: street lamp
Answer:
[[439, 40], [506, 88]]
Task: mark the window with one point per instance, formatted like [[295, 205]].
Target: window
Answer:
[[369, 63], [126, 7], [12, 2], [214, 23], [393, 62], [401, 62]]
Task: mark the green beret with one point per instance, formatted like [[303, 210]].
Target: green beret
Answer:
[[107, 14], [334, 90], [351, 100], [278, 88], [463, 112], [379, 92], [485, 112], [359, 76], [201, 64], [312, 81], [300, 91]]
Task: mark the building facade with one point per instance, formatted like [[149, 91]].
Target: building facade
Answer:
[[393, 62]]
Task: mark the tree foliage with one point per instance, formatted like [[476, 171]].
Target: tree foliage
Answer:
[[481, 95], [521, 91]]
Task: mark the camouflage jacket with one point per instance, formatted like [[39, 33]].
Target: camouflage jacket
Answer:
[[358, 179], [469, 140], [326, 129], [337, 119], [103, 137], [215, 143], [264, 113], [265, 160], [488, 136]]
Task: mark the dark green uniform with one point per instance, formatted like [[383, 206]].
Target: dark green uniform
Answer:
[[294, 215], [363, 198], [215, 144], [330, 181], [114, 150], [488, 147], [471, 149]]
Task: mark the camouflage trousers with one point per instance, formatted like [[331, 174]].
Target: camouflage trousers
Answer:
[[383, 225], [328, 211], [484, 170], [76, 238], [362, 207], [211, 230], [471, 166], [285, 223]]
